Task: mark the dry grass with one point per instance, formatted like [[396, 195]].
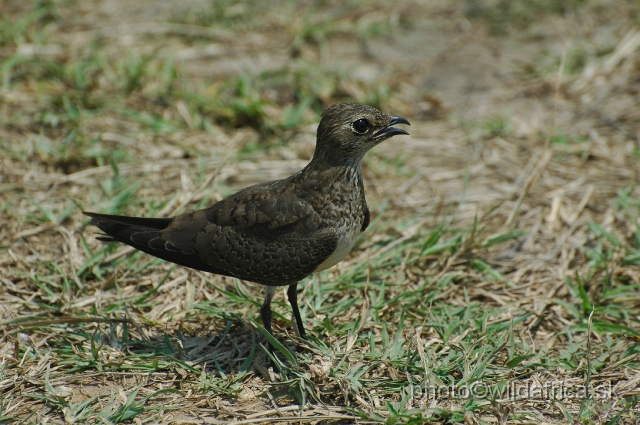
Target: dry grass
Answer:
[[503, 257]]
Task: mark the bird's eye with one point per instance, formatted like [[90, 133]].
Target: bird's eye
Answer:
[[360, 126]]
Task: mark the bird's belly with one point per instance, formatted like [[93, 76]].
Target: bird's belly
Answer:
[[347, 238]]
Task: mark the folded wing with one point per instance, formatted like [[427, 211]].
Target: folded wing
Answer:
[[250, 235]]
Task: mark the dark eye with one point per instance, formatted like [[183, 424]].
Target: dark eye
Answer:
[[361, 126]]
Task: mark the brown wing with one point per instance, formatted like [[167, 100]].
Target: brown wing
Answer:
[[252, 235]]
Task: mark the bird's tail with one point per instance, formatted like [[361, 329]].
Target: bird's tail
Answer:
[[119, 228], [144, 234]]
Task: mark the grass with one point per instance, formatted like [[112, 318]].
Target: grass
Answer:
[[497, 282]]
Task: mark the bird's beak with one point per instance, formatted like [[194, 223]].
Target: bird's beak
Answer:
[[389, 131]]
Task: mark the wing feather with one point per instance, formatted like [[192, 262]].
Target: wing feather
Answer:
[[251, 235]]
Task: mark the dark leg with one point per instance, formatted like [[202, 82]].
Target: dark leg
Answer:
[[292, 294], [265, 312]]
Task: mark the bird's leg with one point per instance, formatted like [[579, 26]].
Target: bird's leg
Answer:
[[265, 312], [292, 294]]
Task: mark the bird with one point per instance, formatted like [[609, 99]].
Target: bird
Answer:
[[279, 232]]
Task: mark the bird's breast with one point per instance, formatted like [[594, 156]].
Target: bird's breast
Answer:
[[347, 235], [339, 202]]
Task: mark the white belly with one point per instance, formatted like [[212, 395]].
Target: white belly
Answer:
[[348, 237]]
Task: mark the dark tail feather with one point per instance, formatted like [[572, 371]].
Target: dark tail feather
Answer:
[[151, 223], [120, 228], [144, 235]]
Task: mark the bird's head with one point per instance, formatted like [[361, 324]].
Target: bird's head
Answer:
[[348, 130]]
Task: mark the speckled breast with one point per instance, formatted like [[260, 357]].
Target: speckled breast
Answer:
[[344, 212]]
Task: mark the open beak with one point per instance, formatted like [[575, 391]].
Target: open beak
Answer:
[[389, 131]]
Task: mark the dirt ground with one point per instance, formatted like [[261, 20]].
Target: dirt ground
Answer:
[[504, 248]]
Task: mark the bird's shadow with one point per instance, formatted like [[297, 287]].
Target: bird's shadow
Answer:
[[230, 344]]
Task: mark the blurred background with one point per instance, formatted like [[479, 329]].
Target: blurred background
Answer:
[[85, 78]]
